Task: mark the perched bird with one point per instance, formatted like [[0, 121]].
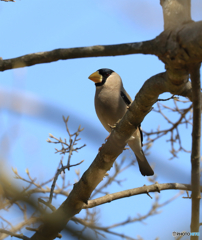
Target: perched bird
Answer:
[[111, 101]]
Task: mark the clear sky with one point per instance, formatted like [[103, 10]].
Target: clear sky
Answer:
[[45, 92]]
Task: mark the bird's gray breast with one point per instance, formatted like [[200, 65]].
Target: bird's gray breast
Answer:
[[109, 106]]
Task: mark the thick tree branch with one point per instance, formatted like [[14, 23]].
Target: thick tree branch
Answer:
[[179, 47], [176, 12], [196, 143], [137, 191]]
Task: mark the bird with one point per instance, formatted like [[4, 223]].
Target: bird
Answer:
[[111, 102]]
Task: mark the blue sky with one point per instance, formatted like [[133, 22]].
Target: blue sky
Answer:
[[48, 91]]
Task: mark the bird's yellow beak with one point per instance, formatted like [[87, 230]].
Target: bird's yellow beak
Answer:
[[95, 77]]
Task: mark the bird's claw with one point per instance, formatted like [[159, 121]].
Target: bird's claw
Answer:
[[112, 126]]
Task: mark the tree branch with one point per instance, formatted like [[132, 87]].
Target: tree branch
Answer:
[[177, 48], [195, 155], [17, 228], [137, 191], [8, 233], [8, 0], [80, 52], [176, 12]]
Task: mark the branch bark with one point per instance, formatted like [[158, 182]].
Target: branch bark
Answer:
[[176, 12], [196, 143]]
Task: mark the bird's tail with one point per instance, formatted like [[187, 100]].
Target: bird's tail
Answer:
[[144, 166]]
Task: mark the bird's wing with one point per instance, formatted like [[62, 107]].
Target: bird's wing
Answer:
[[127, 99], [125, 96]]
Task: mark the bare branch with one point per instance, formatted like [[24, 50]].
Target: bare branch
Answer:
[[176, 12], [8, 0], [173, 130], [21, 236], [163, 100], [80, 52], [18, 227], [137, 191], [140, 218], [70, 148], [196, 143], [59, 171]]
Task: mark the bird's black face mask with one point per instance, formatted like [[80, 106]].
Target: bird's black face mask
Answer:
[[105, 73]]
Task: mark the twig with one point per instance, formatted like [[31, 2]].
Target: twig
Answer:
[[172, 97], [21, 236], [69, 149], [173, 130], [62, 169], [47, 204]]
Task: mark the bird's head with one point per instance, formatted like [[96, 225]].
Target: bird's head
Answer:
[[100, 76]]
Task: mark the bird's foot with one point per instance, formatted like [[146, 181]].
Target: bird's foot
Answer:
[[114, 125]]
